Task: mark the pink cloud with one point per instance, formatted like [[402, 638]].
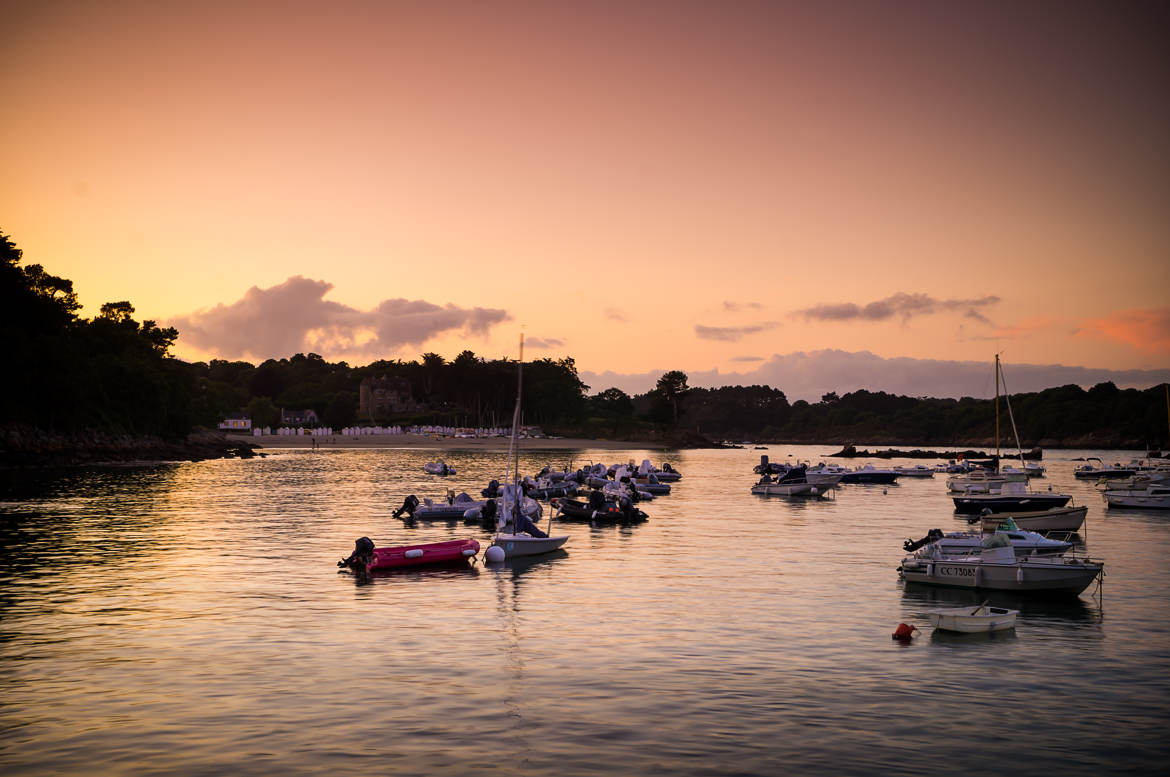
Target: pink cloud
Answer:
[[295, 317], [1147, 330]]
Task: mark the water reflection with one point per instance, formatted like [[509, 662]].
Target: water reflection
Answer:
[[941, 636], [184, 619], [918, 597]]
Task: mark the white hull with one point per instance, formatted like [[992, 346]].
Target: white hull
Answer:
[[822, 480], [786, 489], [517, 545], [914, 472], [1050, 574], [1138, 500], [978, 621], [1057, 519]]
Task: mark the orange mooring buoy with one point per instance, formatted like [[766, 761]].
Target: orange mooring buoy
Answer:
[[904, 631]]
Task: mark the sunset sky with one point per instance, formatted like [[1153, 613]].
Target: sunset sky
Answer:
[[832, 194]]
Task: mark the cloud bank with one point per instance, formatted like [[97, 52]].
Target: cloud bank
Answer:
[[809, 375], [901, 304], [544, 343], [731, 333], [293, 317]]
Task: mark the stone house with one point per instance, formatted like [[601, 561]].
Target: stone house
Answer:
[[379, 397]]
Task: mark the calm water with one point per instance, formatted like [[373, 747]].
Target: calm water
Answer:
[[189, 619]]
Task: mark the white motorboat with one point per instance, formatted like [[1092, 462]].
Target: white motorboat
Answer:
[[1153, 497], [823, 476], [1066, 519], [973, 621], [1024, 543], [983, 482], [916, 471], [996, 567], [791, 483], [1090, 471], [1029, 470], [1010, 496], [870, 474]]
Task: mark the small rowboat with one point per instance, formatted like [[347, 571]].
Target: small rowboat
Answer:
[[375, 559], [981, 619]]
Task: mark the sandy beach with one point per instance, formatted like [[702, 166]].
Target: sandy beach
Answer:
[[273, 441]]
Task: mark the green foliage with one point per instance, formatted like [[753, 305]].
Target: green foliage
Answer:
[[670, 390], [263, 412]]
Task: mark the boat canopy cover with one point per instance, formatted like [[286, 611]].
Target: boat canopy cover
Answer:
[[1008, 525], [997, 540]]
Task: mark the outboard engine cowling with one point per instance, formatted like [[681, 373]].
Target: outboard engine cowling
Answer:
[[363, 554], [931, 536], [409, 505]]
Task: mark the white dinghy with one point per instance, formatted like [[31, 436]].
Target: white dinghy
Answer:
[[980, 620]]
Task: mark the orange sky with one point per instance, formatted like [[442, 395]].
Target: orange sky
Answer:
[[647, 185]]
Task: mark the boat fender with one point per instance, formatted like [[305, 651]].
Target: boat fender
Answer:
[[473, 514], [1019, 574], [413, 553], [468, 551]]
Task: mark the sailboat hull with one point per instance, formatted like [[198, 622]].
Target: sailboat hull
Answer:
[[976, 504], [518, 545]]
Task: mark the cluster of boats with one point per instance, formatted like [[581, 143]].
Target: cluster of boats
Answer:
[[513, 511], [1142, 485]]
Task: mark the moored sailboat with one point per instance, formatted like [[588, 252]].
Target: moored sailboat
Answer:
[[516, 534]]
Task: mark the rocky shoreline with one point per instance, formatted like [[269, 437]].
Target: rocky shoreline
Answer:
[[22, 447], [851, 452]]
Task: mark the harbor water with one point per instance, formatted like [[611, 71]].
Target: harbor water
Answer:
[[189, 619]]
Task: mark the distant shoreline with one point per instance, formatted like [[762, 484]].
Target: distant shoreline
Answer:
[[277, 442]]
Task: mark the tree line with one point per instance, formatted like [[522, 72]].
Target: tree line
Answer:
[[113, 374]]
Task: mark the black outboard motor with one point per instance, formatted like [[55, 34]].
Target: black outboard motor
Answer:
[[487, 514], [931, 536], [596, 500], [408, 507], [363, 554], [626, 506], [492, 490]]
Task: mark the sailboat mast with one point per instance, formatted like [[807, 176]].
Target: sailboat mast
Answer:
[[1007, 397], [516, 415], [997, 412]]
